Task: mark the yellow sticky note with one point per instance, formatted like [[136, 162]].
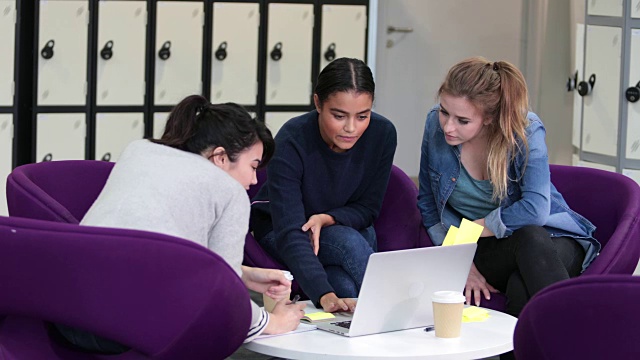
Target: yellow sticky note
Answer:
[[317, 316], [450, 239], [474, 314], [469, 232]]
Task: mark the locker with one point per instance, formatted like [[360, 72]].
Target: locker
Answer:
[[114, 131], [633, 108], [635, 9], [605, 7], [62, 52], [234, 53], [159, 120], [121, 51], [178, 51], [344, 31], [289, 48], [8, 45], [6, 144], [634, 174], [60, 137], [577, 99], [275, 120], [596, 166], [600, 112]]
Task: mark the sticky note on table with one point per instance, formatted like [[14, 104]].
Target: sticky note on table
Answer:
[[317, 316], [474, 314]]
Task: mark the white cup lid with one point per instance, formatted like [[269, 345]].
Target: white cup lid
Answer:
[[448, 297], [287, 275]]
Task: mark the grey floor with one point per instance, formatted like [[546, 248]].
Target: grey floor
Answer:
[[244, 354]]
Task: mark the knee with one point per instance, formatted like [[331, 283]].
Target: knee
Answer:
[[349, 240], [532, 239]]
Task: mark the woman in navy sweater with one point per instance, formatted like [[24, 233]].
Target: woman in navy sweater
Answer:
[[325, 186]]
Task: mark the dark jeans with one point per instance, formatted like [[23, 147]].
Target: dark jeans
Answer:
[[344, 253], [89, 342], [526, 262]]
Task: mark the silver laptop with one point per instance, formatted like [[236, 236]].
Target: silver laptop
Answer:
[[397, 288]]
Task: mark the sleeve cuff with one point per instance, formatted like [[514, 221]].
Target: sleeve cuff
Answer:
[[495, 224]]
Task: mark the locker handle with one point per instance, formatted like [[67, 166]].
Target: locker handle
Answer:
[[276, 53], [221, 52], [165, 51], [330, 54], [107, 51], [47, 157], [106, 157], [572, 83], [633, 93], [585, 88], [47, 50]]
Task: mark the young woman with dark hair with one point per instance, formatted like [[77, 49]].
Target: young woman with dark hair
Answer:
[[325, 186], [191, 183]]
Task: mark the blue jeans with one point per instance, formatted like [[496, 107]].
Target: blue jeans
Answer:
[[344, 253]]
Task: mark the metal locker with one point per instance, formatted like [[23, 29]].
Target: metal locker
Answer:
[[8, 45], [605, 7], [344, 32], [633, 103], [275, 120], [121, 53], [178, 51], [633, 174], [62, 56], [289, 47], [159, 120], [600, 112], [577, 99], [635, 9], [114, 131], [60, 137], [596, 166], [234, 53], [6, 145]]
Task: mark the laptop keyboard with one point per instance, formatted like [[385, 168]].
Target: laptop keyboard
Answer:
[[344, 324]]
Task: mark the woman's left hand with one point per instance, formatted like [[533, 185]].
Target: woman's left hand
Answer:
[[314, 225], [267, 281]]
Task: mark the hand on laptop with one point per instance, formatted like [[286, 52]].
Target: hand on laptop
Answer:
[[331, 303], [476, 284]]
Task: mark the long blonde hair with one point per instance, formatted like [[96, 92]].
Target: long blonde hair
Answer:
[[499, 91]]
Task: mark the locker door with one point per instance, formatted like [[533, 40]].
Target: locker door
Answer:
[[114, 131], [234, 55], [633, 108], [8, 45], [600, 112], [275, 120], [344, 32], [178, 53], [605, 7], [289, 46], [121, 52], [635, 9], [577, 99], [6, 144], [159, 120], [62, 57], [634, 174], [60, 137]]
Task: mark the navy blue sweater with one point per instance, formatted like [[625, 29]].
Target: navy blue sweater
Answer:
[[305, 178]]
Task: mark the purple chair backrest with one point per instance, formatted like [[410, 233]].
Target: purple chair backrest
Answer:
[[59, 191], [588, 317], [165, 297]]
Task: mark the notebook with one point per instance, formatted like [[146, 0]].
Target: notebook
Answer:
[[397, 288]]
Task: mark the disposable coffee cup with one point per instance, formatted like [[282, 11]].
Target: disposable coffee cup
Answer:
[[270, 303], [447, 313]]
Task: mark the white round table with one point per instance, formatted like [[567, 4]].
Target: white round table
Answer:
[[477, 340]]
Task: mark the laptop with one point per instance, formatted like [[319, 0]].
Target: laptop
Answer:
[[397, 287]]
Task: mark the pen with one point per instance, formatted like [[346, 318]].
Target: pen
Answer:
[[429, 328], [295, 299]]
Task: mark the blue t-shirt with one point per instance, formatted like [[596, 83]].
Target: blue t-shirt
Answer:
[[305, 178]]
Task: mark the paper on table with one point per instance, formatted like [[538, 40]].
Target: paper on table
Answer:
[[474, 314], [301, 328]]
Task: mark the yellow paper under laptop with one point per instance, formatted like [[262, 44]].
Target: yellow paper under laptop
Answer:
[[469, 232]]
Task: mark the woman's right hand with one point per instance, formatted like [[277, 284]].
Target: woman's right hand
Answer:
[[285, 317], [330, 302], [476, 284]]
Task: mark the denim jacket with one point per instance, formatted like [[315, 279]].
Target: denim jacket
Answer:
[[531, 197]]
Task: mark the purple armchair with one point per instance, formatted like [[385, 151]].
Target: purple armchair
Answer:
[[589, 317], [611, 201], [165, 297], [399, 225]]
